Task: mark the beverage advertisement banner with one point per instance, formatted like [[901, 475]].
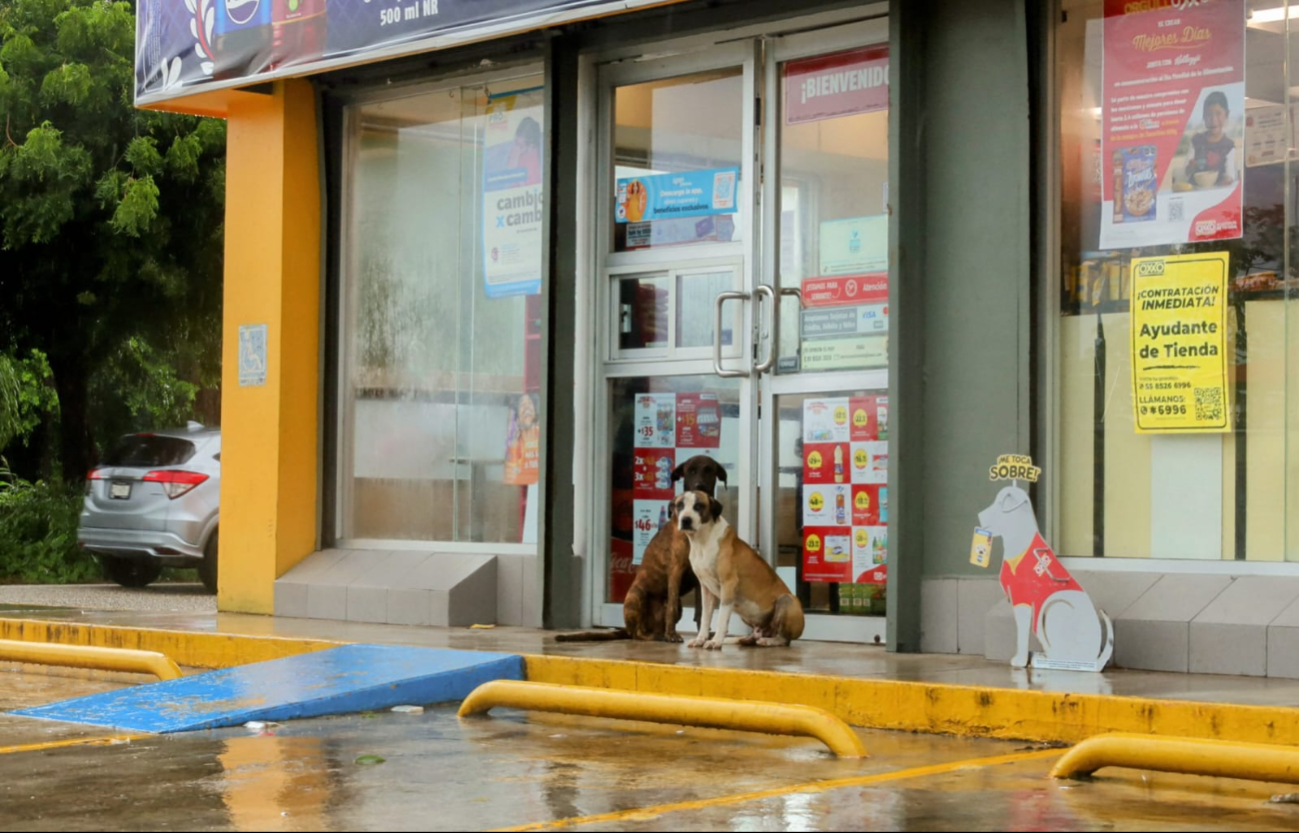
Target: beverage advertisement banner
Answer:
[[699, 421], [870, 550], [825, 463], [827, 554], [1179, 344], [184, 46], [827, 505], [653, 474], [655, 417], [831, 86], [668, 196], [512, 194], [826, 421], [649, 515], [1173, 104], [867, 509]]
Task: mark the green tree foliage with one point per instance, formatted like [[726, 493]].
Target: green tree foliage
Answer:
[[110, 229]]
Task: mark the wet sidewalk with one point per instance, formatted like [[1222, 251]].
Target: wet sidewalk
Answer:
[[824, 659]]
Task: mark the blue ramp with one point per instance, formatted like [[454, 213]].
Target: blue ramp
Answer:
[[351, 678]]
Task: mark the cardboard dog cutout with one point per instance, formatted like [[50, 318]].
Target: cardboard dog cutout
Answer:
[[1046, 600]]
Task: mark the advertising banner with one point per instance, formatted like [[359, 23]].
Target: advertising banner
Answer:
[[1179, 344], [854, 246], [668, 196], [1173, 104], [185, 45], [831, 86], [512, 194], [845, 492]]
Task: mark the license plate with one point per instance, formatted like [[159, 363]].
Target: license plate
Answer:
[[122, 491]]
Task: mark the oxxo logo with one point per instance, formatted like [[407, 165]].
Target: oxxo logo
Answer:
[[813, 543], [862, 501], [816, 503], [859, 458], [841, 415], [860, 419], [1150, 269], [814, 460]]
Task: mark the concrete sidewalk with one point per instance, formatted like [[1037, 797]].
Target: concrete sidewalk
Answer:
[[864, 684]]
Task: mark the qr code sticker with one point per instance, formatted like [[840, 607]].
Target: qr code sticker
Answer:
[[1208, 404], [1175, 208]]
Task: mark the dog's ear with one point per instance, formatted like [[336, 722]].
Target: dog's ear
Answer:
[[715, 508], [672, 510], [721, 471], [678, 472]]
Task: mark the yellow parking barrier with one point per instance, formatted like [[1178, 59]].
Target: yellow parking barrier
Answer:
[[90, 656], [1193, 756], [707, 712]]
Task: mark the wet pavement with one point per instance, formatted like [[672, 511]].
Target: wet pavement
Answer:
[[803, 657], [432, 771]]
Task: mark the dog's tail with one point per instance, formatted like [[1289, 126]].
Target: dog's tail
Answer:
[[593, 636], [1107, 650]]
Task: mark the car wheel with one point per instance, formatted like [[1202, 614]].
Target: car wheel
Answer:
[[207, 568], [132, 572]]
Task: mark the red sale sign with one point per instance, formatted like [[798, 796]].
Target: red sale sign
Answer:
[[831, 86], [1173, 102]]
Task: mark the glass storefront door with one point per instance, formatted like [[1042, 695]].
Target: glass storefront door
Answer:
[[744, 308]]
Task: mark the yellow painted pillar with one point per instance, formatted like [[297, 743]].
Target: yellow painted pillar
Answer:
[[272, 277]]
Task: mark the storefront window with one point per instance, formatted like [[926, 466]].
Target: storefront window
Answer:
[[1173, 388], [441, 270], [677, 159]]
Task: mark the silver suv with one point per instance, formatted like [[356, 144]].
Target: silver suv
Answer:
[[154, 502]]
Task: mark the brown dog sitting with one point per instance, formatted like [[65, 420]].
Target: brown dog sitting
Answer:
[[653, 604]]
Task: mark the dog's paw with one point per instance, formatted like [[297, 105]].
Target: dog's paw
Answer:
[[713, 645], [672, 637], [695, 643]]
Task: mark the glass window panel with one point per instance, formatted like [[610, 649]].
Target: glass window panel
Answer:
[[677, 151], [441, 327]]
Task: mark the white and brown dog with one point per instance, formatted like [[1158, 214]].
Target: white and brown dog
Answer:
[[730, 571]]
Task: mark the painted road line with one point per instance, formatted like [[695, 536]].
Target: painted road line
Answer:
[[109, 740], [645, 813]]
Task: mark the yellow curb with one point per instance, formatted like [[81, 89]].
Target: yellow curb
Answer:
[[1013, 714], [188, 648]]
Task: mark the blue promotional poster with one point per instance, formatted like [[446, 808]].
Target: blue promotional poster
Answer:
[[512, 194], [183, 44], [670, 196]]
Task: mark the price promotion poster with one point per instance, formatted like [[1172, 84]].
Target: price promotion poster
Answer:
[[1179, 344], [845, 489], [670, 428], [1173, 103]]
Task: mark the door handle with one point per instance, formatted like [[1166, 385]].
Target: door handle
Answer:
[[722, 298], [772, 346]]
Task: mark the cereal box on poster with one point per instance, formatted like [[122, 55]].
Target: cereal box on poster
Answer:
[[652, 470], [699, 421], [870, 462], [649, 516], [826, 421], [816, 543], [827, 505], [866, 504], [656, 420], [826, 463]]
